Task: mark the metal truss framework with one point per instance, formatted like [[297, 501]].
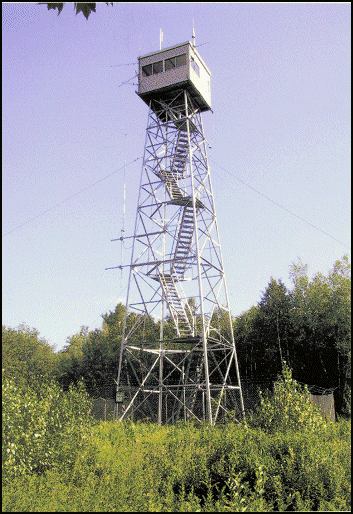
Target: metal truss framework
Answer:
[[189, 369]]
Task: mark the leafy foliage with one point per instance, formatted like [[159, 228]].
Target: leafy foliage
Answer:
[[309, 327], [85, 7], [94, 356], [43, 428], [131, 467], [26, 358], [56, 459], [69, 362], [289, 408]]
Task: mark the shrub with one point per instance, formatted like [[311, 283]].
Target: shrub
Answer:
[[288, 408], [41, 430], [130, 467]]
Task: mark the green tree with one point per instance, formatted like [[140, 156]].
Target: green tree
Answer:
[[262, 334], [244, 335], [100, 363], [321, 320], [113, 322], [273, 324], [26, 357], [143, 327], [69, 363], [85, 7], [308, 326], [94, 356]]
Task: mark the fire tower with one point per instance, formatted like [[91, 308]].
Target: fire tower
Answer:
[[187, 369]]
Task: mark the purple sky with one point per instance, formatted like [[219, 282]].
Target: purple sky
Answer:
[[281, 99]]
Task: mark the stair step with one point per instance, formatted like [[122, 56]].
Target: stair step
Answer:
[[175, 304], [171, 184]]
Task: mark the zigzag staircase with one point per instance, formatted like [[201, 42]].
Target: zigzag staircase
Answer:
[[184, 241], [171, 184], [181, 152], [175, 305], [170, 177], [185, 234]]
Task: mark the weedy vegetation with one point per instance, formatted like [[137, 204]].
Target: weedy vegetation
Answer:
[[286, 457]]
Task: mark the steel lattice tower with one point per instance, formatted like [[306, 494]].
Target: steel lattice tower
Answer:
[[188, 368]]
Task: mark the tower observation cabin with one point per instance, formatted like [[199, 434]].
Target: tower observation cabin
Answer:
[[177, 67]]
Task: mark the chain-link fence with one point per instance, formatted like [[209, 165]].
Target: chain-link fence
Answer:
[[107, 406], [104, 409], [326, 404]]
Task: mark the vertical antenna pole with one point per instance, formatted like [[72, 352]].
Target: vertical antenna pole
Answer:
[[160, 394], [123, 340], [124, 207]]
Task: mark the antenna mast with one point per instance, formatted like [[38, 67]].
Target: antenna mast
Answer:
[[122, 235]]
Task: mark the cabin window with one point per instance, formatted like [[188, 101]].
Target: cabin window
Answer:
[[169, 64], [157, 67], [180, 60], [152, 69], [147, 70], [195, 66], [175, 62]]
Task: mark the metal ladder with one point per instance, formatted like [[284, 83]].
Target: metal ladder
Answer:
[[175, 305]]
